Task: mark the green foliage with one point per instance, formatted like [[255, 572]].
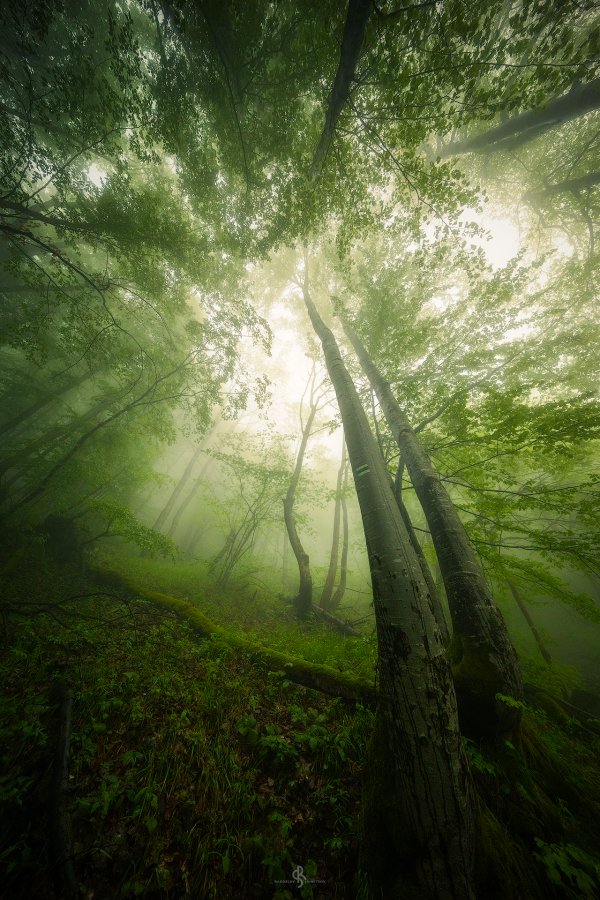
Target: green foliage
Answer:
[[570, 868]]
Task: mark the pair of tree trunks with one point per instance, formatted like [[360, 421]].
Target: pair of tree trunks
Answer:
[[484, 660], [418, 820]]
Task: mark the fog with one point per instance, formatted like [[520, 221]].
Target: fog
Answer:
[[299, 335]]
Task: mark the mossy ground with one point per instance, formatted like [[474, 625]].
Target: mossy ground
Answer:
[[195, 772]]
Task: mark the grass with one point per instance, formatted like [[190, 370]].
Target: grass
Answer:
[[170, 795], [256, 614], [195, 773]]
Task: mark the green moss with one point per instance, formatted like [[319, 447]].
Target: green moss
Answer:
[[308, 674]]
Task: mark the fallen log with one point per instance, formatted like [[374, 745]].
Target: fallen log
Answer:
[[307, 674]]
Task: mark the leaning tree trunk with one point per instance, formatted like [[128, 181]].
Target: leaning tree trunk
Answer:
[[165, 512], [188, 499], [357, 16], [485, 662], [396, 485], [303, 599], [418, 824], [325, 602], [524, 127]]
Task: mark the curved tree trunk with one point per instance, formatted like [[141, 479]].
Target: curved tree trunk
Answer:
[[303, 599], [485, 662], [418, 825], [325, 602]]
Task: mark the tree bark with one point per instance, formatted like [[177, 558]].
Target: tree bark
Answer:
[[485, 662], [524, 127], [418, 825], [357, 17], [325, 602], [396, 485]]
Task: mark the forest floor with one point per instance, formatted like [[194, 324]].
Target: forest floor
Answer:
[[194, 772]]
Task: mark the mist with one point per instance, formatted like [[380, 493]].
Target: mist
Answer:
[[299, 504]]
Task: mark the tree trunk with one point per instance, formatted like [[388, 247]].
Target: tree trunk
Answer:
[[284, 560], [485, 662], [357, 17], [396, 485], [524, 127], [418, 825], [187, 499], [303, 599], [536, 635], [325, 602], [563, 187], [176, 492], [341, 587], [45, 400]]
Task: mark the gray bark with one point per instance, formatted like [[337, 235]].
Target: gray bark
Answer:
[[485, 662], [420, 811]]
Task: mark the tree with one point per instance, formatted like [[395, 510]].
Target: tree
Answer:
[[417, 739], [524, 127], [485, 662], [327, 593], [303, 599], [258, 484], [340, 590]]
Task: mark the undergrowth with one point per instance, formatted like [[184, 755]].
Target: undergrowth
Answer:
[[170, 795], [195, 773]]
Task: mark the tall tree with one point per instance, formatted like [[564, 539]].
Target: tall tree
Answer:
[[417, 740], [485, 662], [340, 589]]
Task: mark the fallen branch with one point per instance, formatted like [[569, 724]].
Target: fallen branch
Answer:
[[300, 671]]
